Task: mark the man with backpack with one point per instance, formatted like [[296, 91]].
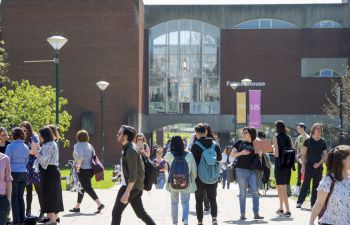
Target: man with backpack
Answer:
[[207, 154], [313, 155], [132, 178]]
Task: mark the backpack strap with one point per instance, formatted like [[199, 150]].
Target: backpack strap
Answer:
[[330, 191], [200, 145]]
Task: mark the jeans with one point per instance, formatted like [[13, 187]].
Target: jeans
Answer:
[[160, 181], [210, 189], [85, 176], [245, 177], [316, 176], [4, 209], [136, 203], [185, 202], [224, 180], [17, 201]]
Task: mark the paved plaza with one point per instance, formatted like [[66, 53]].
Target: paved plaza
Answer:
[[157, 204]]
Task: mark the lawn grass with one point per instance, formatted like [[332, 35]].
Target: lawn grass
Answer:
[[105, 184]]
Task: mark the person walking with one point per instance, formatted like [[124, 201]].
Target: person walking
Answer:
[[299, 142], [333, 191], [5, 187], [227, 159], [162, 168], [18, 154], [247, 160], [182, 174], [82, 154], [3, 140], [32, 177], [281, 143], [47, 158], [201, 149], [313, 155], [133, 175]]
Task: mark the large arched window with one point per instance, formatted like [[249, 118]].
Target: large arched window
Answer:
[[327, 24], [265, 24], [183, 68]]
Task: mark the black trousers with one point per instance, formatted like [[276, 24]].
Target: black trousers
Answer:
[[17, 201], [310, 174], [4, 209], [210, 189], [85, 176], [136, 203], [299, 175], [29, 196]]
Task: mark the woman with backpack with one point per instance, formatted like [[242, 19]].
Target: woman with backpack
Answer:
[[246, 166], [182, 175], [282, 143], [332, 203]]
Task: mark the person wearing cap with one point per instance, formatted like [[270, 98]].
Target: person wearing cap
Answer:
[[299, 142]]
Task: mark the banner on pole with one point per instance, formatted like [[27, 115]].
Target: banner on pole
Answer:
[[255, 108], [241, 107]]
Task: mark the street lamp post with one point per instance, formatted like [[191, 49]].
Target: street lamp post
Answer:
[[102, 85], [341, 119], [246, 82], [234, 85], [57, 43]]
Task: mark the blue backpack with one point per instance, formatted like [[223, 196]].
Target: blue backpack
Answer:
[[179, 177], [208, 168]]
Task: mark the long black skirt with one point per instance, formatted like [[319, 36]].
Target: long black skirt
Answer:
[[50, 180]]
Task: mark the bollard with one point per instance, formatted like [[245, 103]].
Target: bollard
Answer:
[[68, 184]]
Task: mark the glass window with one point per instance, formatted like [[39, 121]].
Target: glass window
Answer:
[[265, 24], [327, 24], [183, 68], [326, 73]]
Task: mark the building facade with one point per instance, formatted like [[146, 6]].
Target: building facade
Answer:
[[170, 64]]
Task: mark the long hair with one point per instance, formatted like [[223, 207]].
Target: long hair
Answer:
[[209, 130], [335, 159], [29, 129], [177, 145], [313, 128]]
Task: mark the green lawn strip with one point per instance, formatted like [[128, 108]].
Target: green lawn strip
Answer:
[[105, 184]]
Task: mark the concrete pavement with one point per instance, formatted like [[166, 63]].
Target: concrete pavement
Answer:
[[157, 204]]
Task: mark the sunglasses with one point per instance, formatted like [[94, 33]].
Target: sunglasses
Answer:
[[140, 139], [245, 132]]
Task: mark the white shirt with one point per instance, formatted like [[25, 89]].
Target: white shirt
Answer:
[[224, 161], [338, 207]]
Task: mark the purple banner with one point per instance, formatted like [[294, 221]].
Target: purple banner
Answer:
[[255, 108]]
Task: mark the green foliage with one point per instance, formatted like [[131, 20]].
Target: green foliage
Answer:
[[331, 108], [22, 101]]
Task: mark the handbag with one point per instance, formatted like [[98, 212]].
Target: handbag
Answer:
[[323, 210], [256, 163], [97, 167]]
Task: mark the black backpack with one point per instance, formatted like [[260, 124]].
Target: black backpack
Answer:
[[150, 173], [287, 158], [179, 177]]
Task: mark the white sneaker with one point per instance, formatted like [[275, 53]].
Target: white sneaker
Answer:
[[296, 191]]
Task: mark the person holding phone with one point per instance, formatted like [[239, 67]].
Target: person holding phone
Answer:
[[33, 178]]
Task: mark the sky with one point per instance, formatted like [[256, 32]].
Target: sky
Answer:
[[235, 2]]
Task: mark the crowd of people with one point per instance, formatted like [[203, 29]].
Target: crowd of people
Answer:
[[31, 159]]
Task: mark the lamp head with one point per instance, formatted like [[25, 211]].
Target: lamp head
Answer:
[[57, 42], [102, 85]]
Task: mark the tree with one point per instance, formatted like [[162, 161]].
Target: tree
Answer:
[[331, 107], [22, 101]]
